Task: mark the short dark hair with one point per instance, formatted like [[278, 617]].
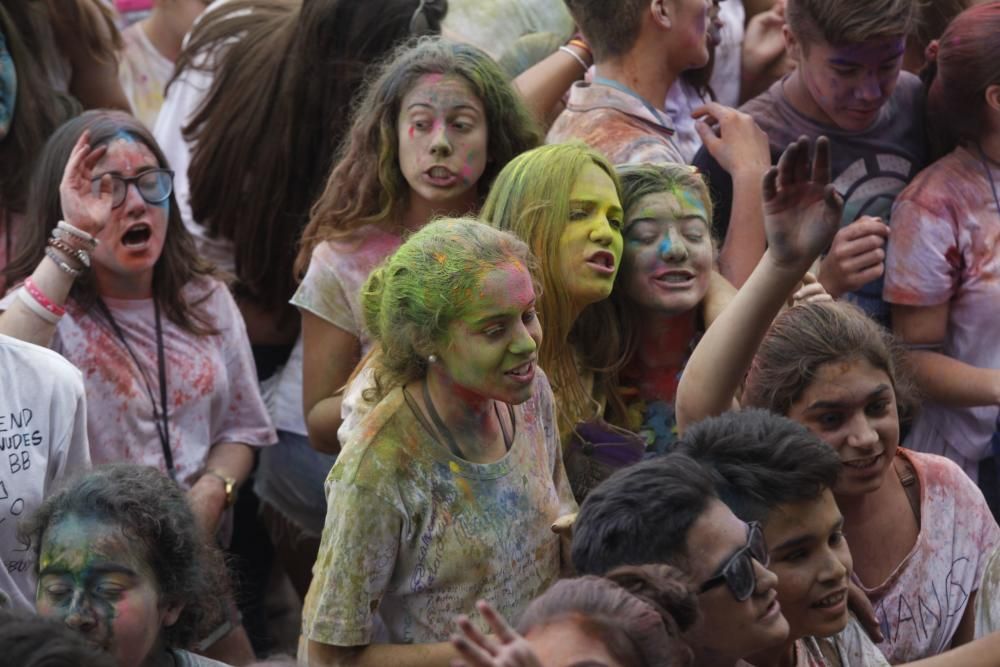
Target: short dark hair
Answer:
[[849, 21], [33, 641], [760, 460], [610, 26], [153, 510], [641, 515]]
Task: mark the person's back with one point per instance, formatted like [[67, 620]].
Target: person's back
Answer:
[[43, 440], [848, 87]]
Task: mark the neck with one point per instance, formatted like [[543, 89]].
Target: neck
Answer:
[[990, 145], [664, 339], [113, 286], [469, 417], [163, 39], [419, 211], [705, 657], [650, 77], [159, 656], [780, 656]]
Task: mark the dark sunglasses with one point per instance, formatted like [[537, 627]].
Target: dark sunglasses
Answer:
[[738, 572], [154, 186]]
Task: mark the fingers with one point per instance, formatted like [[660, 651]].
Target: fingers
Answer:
[[822, 165], [475, 656], [862, 227], [789, 166], [472, 634], [770, 184], [496, 622]]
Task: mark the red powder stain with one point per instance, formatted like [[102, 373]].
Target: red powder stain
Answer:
[[103, 357], [411, 131]]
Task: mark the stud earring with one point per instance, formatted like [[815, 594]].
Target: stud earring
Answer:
[[432, 359]]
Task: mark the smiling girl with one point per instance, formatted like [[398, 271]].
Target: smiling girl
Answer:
[[446, 490], [110, 281], [919, 529], [122, 561]]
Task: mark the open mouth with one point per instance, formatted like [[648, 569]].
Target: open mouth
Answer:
[[674, 277], [863, 464], [602, 261], [523, 373], [441, 176], [832, 600], [137, 235]]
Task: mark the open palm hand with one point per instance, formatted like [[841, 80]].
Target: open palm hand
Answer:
[[84, 206]]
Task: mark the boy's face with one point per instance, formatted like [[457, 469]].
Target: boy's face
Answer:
[[810, 556], [849, 84], [753, 625]]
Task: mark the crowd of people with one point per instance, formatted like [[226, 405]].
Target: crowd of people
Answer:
[[500, 333]]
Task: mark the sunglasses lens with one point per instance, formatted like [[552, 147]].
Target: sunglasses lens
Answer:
[[155, 186], [758, 546], [740, 576]]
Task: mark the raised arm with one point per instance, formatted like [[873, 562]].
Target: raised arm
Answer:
[[87, 210], [801, 214]]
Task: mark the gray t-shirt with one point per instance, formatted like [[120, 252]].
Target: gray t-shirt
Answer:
[[870, 167]]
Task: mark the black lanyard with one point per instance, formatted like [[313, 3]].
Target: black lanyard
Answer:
[[159, 415], [656, 113]]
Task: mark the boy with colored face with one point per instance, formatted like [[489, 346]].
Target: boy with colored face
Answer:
[[769, 469], [665, 510], [848, 86]]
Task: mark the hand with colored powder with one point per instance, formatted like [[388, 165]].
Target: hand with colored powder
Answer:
[[86, 204], [504, 648]]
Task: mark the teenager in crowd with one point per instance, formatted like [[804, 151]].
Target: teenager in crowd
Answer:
[[446, 490], [665, 510], [632, 617], [916, 524], [428, 137], [940, 267], [122, 561], [847, 86]]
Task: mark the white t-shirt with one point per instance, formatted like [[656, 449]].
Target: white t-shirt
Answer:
[[143, 72], [922, 602], [43, 441], [850, 647], [494, 25], [212, 391]]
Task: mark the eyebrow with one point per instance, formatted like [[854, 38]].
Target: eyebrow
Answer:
[[505, 314], [805, 539], [141, 170], [594, 202], [99, 569], [844, 62], [462, 106], [825, 405], [684, 218]]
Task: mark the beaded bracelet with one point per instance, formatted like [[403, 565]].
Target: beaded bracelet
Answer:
[[74, 241], [76, 253], [43, 300], [38, 309], [77, 232], [52, 254], [569, 51]]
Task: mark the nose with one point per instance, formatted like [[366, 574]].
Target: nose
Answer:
[[134, 203], [862, 434], [81, 617], [766, 580], [440, 142], [870, 89], [602, 233], [525, 341], [834, 571], [672, 247]]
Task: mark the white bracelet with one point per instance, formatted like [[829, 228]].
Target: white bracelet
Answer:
[[583, 64], [38, 309], [77, 232]]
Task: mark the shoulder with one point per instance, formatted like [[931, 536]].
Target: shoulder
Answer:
[[763, 106], [950, 183], [379, 446], [938, 471], [46, 365]]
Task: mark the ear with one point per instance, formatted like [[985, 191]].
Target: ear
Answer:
[[171, 613], [659, 10], [793, 47], [993, 97]]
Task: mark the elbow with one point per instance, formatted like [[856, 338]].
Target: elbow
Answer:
[[322, 431]]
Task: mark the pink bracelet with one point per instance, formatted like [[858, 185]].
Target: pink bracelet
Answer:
[[42, 300]]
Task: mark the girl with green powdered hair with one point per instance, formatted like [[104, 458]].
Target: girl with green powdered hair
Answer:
[[446, 491]]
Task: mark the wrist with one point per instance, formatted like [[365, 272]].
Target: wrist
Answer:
[[828, 281], [224, 483]]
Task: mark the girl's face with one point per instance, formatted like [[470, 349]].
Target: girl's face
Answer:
[[851, 405], [810, 556], [491, 350], [97, 581], [590, 246], [668, 252], [443, 139], [132, 240], [695, 27]]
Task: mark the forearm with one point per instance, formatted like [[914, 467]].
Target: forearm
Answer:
[[377, 655], [948, 381], [322, 423], [543, 85], [231, 459], [984, 652], [717, 366], [19, 321], [745, 240]]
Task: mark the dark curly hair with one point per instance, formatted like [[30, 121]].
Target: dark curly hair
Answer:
[[32, 641], [152, 509]]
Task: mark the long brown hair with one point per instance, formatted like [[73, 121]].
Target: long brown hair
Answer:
[[264, 138], [178, 263], [366, 186]]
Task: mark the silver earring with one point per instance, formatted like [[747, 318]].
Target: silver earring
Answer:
[[432, 359]]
